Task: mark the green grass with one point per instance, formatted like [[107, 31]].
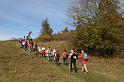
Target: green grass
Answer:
[[19, 66]]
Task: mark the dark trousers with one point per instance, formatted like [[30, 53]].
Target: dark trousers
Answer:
[[65, 61], [57, 60], [42, 55], [74, 64]]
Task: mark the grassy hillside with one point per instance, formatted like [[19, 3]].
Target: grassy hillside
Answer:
[[19, 66], [112, 68]]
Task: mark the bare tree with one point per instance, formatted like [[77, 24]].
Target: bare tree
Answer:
[[83, 12]]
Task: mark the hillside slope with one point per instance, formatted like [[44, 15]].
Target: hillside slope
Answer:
[[17, 65]]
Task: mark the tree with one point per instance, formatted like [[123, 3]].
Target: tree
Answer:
[[83, 12], [109, 20], [45, 28], [46, 31], [65, 30], [97, 23]]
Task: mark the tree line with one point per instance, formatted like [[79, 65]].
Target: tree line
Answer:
[[98, 26]]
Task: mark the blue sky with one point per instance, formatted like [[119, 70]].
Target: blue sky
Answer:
[[18, 17]]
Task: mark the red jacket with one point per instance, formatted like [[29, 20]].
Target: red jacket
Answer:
[[43, 52], [81, 56]]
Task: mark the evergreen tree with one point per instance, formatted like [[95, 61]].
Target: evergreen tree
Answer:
[[45, 28], [46, 31], [65, 30]]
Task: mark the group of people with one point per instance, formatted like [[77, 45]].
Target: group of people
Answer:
[[50, 54], [26, 43], [68, 59]]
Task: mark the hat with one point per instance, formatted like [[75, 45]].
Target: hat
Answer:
[[43, 48], [72, 51]]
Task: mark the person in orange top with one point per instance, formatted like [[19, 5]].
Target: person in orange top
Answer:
[[84, 61]]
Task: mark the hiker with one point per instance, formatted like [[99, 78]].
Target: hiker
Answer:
[[53, 54], [39, 49], [32, 44], [35, 49], [29, 46], [43, 52], [57, 56], [20, 42], [84, 58], [26, 45], [23, 43], [72, 59], [65, 57], [48, 52], [29, 34]]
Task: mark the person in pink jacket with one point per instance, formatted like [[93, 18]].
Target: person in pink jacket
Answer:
[[65, 57], [84, 61]]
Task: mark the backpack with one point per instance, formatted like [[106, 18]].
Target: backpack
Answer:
[[74, 56], [48, 51], [85, 56], [57, 54]]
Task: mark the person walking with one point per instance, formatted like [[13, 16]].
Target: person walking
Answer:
[[65, 57], [57, 56], [84, 58], [29, 46], [20, 42], [48, 52], [53, 54], [72, 59], [43, 52], [35, 49]]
